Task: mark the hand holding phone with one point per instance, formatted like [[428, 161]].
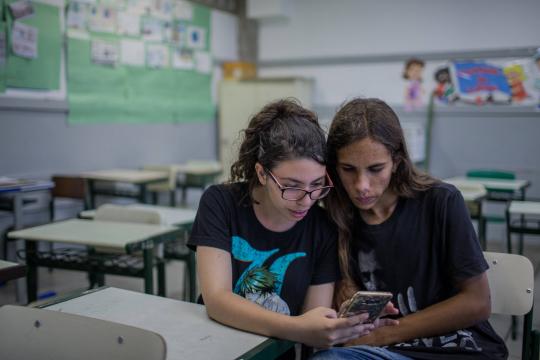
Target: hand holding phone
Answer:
[[371, 302]]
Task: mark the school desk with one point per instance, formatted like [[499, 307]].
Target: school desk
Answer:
[[10, 271], [117, 236], [182, 218], [516, 187], [14, 193], [139, 178], [188, 331]]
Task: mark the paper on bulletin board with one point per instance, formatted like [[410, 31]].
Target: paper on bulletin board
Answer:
[[3, 54], [42, 72]]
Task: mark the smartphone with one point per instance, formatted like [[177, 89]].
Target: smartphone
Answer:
[[371, 302]]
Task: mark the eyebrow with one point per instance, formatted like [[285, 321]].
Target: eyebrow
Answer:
[[300, 182]]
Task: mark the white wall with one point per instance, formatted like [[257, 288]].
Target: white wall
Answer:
[[358, 47], [364, 29]]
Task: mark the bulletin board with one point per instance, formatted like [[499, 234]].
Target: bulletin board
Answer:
[[41, 68], [114, 61], [138, 61]]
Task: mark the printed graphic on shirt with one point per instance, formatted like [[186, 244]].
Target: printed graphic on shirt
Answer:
[[368, 268], [262, 282], [461, 338]]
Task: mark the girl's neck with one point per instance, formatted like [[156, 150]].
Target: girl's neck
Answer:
[[267, 215], [382, 210]]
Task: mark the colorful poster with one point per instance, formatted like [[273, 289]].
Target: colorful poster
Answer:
[[480, 82]]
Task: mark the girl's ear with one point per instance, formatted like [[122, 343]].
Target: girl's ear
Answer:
[[395, 165], [261, 174]]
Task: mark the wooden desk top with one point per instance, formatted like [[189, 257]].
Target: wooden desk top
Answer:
[[126, 175], [192, 168], [492, 184], [115, 235], [169, 215], [10, 270], [186, 328]]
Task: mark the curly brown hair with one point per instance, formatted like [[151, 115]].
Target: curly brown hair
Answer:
[[282, 130]]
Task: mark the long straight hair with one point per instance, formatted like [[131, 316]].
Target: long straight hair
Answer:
[[356, 120]]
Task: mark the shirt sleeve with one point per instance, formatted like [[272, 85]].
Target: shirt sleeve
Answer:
[[464, 257], [326, 264], [212, 222]]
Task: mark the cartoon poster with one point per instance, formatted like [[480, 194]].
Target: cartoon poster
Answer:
[[479, 82]]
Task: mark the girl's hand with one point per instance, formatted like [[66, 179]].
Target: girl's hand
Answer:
[[321, 328], [389, 309]]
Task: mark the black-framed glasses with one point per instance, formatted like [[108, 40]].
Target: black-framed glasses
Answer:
[[296, 194]]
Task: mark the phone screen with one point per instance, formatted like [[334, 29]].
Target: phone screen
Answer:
[[372, 302]]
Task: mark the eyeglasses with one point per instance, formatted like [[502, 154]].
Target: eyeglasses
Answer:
[[296, 194]]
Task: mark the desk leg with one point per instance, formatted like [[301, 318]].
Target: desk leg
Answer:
[[18, 224], [91, 194], [31, 276], [142, 194], [148, 255]]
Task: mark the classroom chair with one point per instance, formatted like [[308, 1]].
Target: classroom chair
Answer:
[[165, 186], [121, 263], [199, 181], [511, 283], [494, 195], [523, 218], [30, 333]]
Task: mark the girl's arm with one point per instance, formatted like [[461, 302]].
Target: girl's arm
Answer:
[[318, 327], [470, 306]]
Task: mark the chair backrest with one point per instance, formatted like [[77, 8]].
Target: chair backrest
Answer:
[[111, 212], [511, 282], [30, 333], [491, 174], [170, 184]]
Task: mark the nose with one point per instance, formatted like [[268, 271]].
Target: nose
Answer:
[[362, 183]]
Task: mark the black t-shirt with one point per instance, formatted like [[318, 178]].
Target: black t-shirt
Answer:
[[418, 254], [273, 269]]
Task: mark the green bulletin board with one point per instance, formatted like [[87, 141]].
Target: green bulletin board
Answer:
[[42, 72], [103, 93]]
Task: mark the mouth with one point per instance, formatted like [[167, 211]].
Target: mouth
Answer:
[[365, 200], [298, 214]]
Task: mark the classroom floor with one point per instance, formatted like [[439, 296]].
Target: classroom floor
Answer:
[[63, 281]]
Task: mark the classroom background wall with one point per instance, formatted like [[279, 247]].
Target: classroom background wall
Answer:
[[358, 48], [37, 141]]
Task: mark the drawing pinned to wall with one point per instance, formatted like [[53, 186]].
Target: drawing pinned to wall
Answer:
[[179, 34], [104, 52], [157, 56], [445, 90], [478, 82], [76, 17], [536, 70], [128, 24], [203, 62], [515, 75], [196, 37], [183, 59], [183, 10], [24, 40], [102, 18], [414, 91], [21, 9], [151, 29], [132, 52]]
